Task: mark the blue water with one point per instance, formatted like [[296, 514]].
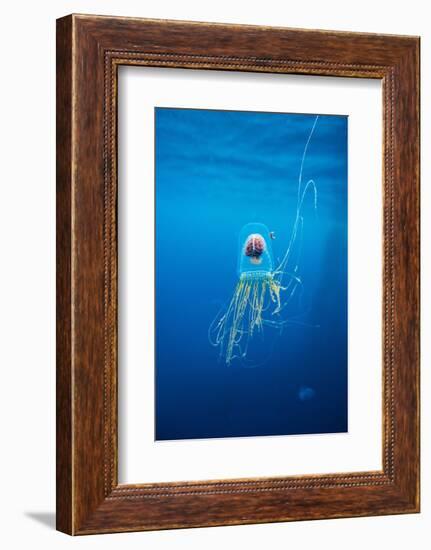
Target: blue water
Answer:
[[215, 172]]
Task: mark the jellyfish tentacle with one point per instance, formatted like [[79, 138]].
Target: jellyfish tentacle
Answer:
[[301, 193], [297, 230]]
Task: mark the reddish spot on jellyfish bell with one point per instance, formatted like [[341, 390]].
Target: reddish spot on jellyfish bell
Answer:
[[254, 248]]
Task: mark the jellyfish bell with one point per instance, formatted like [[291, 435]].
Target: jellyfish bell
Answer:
[[305, 393], [255, 252]]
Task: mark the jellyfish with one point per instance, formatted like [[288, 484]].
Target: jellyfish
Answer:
[[305, 393], [263, 289]]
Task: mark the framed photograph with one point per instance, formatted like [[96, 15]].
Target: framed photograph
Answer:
[[237, 274]]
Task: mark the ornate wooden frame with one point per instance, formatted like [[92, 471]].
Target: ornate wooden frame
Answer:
[[89, 51]]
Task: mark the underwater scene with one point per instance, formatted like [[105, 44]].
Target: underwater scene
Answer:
[[251, 273]]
